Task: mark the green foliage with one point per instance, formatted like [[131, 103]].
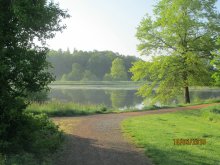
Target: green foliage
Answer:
[[184, 33], [40, 96], [107, 77], [216, 63], [75, 74], [118, 97], [88, 76], [165, 74], [38, 137], [155, 133], [118, 71], [98, 63], [45, 137], [65, 109], [216, 111], [23, 68]]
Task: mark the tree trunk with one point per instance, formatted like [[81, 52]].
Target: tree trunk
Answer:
[[186, 94]]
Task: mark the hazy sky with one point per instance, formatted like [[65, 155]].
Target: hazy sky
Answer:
[[102, 25]]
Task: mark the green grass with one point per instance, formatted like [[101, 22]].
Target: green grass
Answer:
[[198, 102], [59, 109], [155, 133], [55, 108]]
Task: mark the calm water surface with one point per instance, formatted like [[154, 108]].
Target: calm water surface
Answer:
[[117, 97]]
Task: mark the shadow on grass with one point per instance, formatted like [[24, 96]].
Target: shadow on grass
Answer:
[[83, 151], [176, 156]]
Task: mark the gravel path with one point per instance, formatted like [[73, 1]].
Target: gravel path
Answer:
[[97, 140]]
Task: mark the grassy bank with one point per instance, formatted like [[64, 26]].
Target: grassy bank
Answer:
[[155, 133], [59, 109], [62, 109], [55, 108]]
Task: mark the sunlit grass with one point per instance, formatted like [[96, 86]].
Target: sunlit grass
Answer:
[[155, 133], [67, 125], [57, 108]]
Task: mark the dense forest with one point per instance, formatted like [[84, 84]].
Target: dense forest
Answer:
[[90, 65]]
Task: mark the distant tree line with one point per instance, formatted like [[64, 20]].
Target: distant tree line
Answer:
[[90, 65]]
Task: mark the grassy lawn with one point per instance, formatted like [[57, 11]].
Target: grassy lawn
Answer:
[[155, 133]]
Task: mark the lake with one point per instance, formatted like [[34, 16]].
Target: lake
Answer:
[[116, 96]]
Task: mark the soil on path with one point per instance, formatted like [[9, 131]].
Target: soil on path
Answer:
[[98, 140]]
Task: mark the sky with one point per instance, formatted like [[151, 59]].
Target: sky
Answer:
[[102, 25]]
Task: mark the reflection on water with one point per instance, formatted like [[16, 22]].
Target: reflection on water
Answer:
[[118, 98], [109, 98]]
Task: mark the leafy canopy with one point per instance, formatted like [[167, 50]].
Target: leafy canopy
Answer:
[[98, 63], [23, 66], [118, 71], [216, 63], [181, 36]]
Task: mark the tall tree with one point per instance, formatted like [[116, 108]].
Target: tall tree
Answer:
[[118, 71], [76, 74], [184, 33], [99, 64], [163, 76], [23, 66], [89, 76]]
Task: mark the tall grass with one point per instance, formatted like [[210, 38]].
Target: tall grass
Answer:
[[59, 109], [56, 108]]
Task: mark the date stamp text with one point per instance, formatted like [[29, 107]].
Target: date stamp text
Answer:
[[195, 141]]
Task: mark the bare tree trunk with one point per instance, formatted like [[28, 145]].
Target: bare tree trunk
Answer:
[[186, 95]]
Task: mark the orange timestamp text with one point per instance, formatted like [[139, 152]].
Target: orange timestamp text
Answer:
[[195, 141]]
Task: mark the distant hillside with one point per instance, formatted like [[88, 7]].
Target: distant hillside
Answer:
[[90, 66]]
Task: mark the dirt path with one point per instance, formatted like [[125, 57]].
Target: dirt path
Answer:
[[97, 140]]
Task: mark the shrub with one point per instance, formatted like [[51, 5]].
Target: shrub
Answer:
[[216, 111], [37, 138], [39, 97]]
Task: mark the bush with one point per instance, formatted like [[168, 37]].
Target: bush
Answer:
[[37, 138], [22, 159], [216, 111], [39, 97]]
